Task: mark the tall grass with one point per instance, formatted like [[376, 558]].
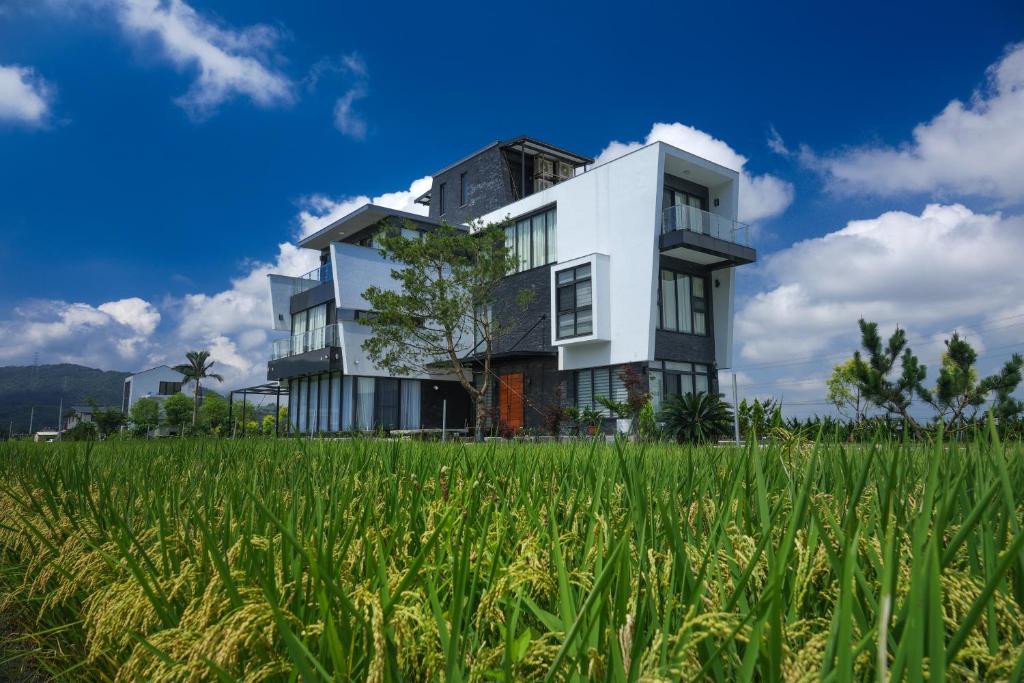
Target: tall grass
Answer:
[[219, 560]]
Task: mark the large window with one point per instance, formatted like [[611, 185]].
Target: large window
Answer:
[[309, 329], [595, 382], [682, 303], [669, 378], [440, 199], [169, 388], [533, 240], [575, 302], [462, 189]]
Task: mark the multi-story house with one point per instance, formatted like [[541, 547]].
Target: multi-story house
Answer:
[[630, 263]]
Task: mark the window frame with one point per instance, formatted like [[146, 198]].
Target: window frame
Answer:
[[462, 189], [692, 300], [512, 239], [441, 199], [572, 287]]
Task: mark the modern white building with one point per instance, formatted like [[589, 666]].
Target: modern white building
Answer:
[[159, 383], [631, 264]]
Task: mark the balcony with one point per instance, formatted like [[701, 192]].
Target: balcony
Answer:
[[309, 352], [313, 278], [696, 235], [311, 340]]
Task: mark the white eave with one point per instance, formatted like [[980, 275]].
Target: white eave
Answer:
[[360, 219]]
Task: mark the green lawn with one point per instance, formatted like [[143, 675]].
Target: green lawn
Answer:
[[276, 560]]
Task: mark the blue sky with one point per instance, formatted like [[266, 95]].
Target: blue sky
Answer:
[[172, 147]]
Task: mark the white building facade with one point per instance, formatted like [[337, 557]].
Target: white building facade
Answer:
[[631, 265]]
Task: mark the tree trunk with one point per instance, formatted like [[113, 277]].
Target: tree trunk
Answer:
[[195, 405], [481, 412]]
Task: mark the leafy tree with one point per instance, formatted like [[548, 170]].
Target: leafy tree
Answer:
[[758, 418], [695, 418], [177, 408], [145, 414], [876, 378], [108, 420], [442, 310], [196, 370], [268, 424], [213, 412], [1005, 407], [844, 392], [82, 431]]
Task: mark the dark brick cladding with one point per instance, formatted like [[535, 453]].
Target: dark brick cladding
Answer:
[[524, 330], [487, 187]]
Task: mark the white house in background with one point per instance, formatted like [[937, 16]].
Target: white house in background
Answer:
[[159, 383], [631, 263]]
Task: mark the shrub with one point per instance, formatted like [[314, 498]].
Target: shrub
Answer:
[[696, 418]]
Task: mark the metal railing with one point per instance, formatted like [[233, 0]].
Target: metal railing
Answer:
[[313, 278], [310, 340], [706, 223]]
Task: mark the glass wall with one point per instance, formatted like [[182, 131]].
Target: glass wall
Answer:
[[595, 382], [533, 240], [332, 402], [669, 378]]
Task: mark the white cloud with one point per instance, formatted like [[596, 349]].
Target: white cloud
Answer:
[[230, 62], [945, 268], [975, 148], [110, 335], [776, 143], [24, 96], [346, 119], [761, 196]]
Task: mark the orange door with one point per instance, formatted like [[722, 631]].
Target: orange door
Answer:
[[510, 400]]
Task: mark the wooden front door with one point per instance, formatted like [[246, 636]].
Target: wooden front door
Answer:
[[510, 400]]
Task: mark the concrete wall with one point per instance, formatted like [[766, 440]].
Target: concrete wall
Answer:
[[146, 384]]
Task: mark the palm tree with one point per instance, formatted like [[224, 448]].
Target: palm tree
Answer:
[[196, 370]]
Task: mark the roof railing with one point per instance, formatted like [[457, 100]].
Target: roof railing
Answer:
[[310, 340]]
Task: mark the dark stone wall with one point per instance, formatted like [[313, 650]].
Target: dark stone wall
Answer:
[[487, 187], [524, 330], [541, 380], [320, 360]]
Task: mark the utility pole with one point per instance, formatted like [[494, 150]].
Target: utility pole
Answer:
[[31, 420], [60, 416], [735, 411]]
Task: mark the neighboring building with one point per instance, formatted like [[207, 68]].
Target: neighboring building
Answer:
[[81, 414], [631, 263], [159, 383]]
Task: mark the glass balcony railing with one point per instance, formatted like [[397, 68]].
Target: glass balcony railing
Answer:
[[706, 223], [313, 278], [310, 340]]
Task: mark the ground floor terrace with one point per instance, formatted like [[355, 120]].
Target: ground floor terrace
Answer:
[[522, 395]]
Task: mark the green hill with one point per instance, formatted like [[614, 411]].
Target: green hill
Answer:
[[42, 386]]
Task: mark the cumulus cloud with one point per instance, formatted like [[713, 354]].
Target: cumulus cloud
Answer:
[[110, 335], [974, 148], [761, 196], [929, 273], [25, 97]]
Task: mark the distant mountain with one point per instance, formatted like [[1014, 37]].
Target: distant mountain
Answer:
[[43, 386]]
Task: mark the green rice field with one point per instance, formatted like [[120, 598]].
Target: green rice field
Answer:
[[284, 560]]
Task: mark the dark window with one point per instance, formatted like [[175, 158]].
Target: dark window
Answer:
[[595, 382], [440, 199], [169, 388], [669, 378], [682, 303], [462, 189], [574, 302], [127, 395], [386, 403]]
